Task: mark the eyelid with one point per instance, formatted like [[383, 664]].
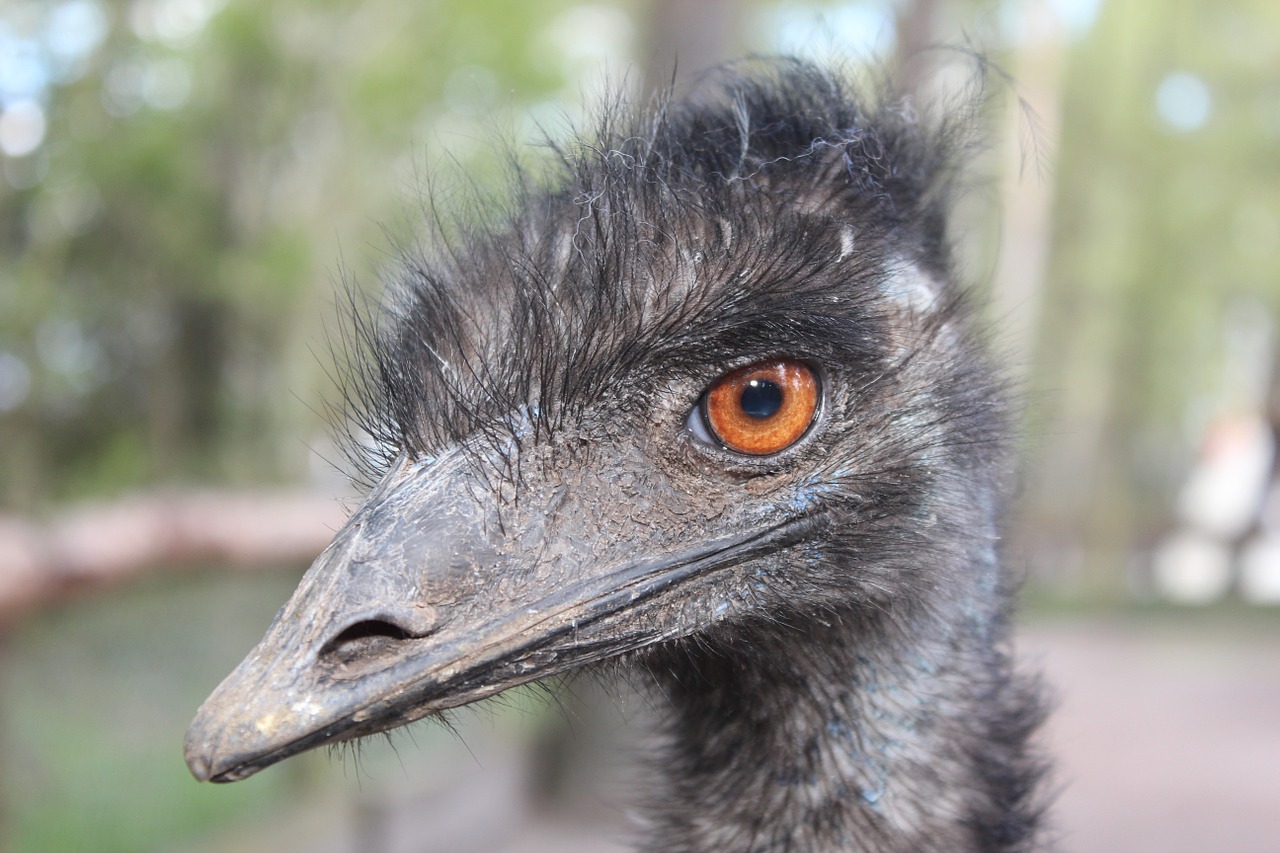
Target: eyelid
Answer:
[[696, 424]]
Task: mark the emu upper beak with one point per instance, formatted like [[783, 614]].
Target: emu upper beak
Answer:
[[429, 598]]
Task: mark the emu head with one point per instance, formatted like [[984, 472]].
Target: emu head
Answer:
[[560, 481]]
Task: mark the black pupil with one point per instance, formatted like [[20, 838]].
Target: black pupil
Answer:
[[761, 398]]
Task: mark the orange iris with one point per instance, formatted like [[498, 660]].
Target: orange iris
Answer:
[[763, 408]]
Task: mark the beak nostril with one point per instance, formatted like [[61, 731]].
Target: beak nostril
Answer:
[[363, 639]]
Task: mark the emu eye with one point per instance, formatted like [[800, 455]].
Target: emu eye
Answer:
[[762, 408]]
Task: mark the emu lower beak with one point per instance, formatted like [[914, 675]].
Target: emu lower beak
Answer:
[[426, 600]]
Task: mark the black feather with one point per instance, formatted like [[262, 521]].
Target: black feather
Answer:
[[655, 241]]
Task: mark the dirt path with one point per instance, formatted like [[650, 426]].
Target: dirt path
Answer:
[[1167, 737]]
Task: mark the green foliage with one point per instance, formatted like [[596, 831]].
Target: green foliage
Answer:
[[182, 230], [1165, 245]]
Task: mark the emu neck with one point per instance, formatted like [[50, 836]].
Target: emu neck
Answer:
[[877, 734]]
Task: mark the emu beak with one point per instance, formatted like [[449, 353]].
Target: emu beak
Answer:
[[428, 599]]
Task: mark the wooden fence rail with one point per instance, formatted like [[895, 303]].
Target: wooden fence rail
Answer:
[[110, 543]]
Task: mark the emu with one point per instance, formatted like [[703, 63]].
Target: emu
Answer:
[[709, 408]]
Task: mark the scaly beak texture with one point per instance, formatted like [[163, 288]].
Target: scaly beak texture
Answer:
[[437, 593]]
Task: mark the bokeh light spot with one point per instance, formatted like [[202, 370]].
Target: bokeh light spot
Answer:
[[75, 29], [1184, 101], [22, 127]]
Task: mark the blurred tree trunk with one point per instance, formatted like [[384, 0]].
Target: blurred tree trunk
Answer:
[[688, 36], [916, 25], [1032, 133]]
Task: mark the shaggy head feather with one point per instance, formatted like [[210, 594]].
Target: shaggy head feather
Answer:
[[825, 626]]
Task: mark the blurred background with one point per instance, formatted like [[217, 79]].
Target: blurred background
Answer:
[[184, 185]]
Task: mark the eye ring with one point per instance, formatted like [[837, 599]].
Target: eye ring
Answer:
[[763, 408]]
